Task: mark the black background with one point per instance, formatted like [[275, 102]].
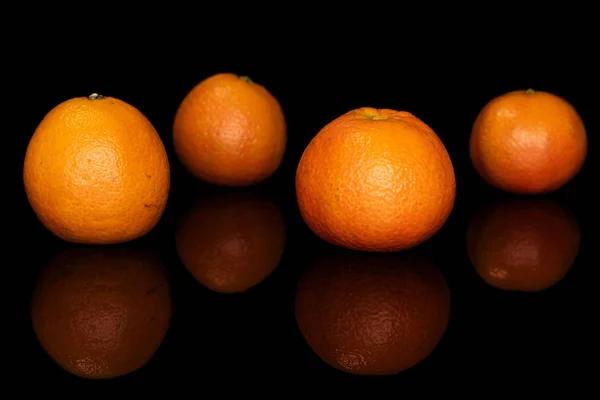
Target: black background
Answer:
[[493, 335]]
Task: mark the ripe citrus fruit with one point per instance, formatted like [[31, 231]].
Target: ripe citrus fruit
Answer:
[[375, 180], [523, 244], [528, 142], [101, 312], [372, 313], [96, 171], [230, 131], [231, 242]]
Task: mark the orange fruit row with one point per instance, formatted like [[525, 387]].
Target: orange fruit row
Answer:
[[96, 170], [374, 180]]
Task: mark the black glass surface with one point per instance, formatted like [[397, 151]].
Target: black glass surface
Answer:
[[492, 334]]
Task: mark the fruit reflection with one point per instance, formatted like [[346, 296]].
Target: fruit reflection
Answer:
[[232, 241], [524, 244], [101, 312], [372, 314]]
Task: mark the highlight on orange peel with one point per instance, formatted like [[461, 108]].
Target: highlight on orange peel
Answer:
[[230, 130], [375, 180], [523, 244], [528, 142], [232, 241], [101, 312], [372, 313], [96, 171]]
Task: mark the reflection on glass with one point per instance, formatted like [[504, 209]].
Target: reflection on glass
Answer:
[[101, 312], [523, 244], [231, 242], [372, 314]]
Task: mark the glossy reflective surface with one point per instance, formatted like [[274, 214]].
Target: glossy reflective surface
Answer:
[[232, 284], [248, 290]]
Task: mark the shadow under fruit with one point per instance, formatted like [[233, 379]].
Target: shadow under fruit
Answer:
[[372, 314], [101, 312], [525, 244], [231, 241]]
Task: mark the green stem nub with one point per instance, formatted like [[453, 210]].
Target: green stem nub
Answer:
[[246, 79], [530, 91], [95, 96]]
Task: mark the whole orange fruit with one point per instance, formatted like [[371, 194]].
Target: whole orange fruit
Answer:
[[528, 142], [101, 312], [230, 131], [373, 313], [523, 244], [375, 180], [96, 171], [232, 241]]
